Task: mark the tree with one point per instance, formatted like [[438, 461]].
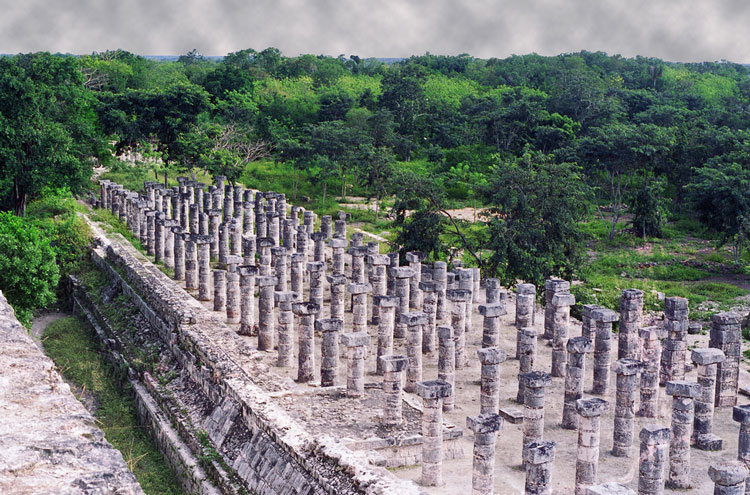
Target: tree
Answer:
[[649, 207], [27, 263], [534, 208]]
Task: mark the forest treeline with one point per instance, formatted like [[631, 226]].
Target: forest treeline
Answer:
[[540, 142]]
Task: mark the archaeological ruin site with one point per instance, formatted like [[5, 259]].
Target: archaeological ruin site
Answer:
[[288, 355]]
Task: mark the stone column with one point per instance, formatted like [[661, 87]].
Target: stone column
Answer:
[[538, 457], [552, 287], [561, 303], [248, 216], [191, 268], [414, 258], [317, 270], [179, 253], [460, 299], [273, 226], [265, 259], [683, 400], [249, 243], [526, 359], [319, 250], [337, 283], [151, 231], [340, 225], [235, 237], [653, 459], [203, 225], [440, 277], [429, 305], [234, 308], [393, 368], [492, 289], [578, 347], [261, 225], [169, 242], [602, 349], [674, 354], [331, 329], [741, 414], [359, 305], [466, 282], [204, 267], [491, 324], [707, 361], [298, 274], [387, 306], [356, 344], [729, 478], [358, 263], [266, 321], [631, 315], [587, 461], [306, 343], [279, 255], [325, 225], [626, 391], [489, 398], [432, 393], [402, 274], [726, 335], [533, 405], [485, 428], [185, 211], [220, 290], [223, 243], [289, 235], [372, 249], [414, 322], [379, 263], [651, 356], [447, 362], [338, 245], [588, 326], [247, 300], [194, 220], [159, 237]]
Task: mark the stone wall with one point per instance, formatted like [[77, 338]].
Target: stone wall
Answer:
[[48, 441]]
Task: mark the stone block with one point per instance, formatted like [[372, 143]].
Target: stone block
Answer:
[[428, 286], [329, 325], [605, 315], [458, 295], [379, 260], [683, 388], [415, 256], [627, 366], [305, 308], [654, 434], [512, 415], [492, 310], [539, 452], [726, 318], [707, 356], [741, 414], [728, 473], [413, 318], [579, 345], [433, 389], [484, 423], [609, 489], [355, 339], [491, 355], [359, 288], [589, 408], [526, 289], [403, 272], [563, 299], [392, 363], [385, 301], [536, 379]]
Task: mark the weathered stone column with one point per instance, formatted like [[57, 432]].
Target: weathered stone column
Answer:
[[387, 306], [414, 321], [489, 398], [337, 283], [358, 254], [261, 225], [249, 243], [379, 263], [476, 275], [602, 349], [234, 308], [707, 361], [402, 274], [674, 353], [356, 344], [235, 238], [561, 303], [331, 329], [741, 414], [631, 315], [220, 290], [284, 300], [683, 401], [203, 224], [577, 347], [359, 305], [179, 253], [429, 305], [317, 270], [729, 478], [552, 287], [223, 243], [588, 326], [248, 215], [447, 362], [432, 393], [393, 368], [626, 391], [459, 298], [306, 340], [194, 220], [340, 225], [526, 359], [247, 300], [319, 249], [538, 457], [298, 275], [589, 428], [651, 356], [414, 258], [151, 231], [265, 259], [273, 226], [280, 257], [326, 221], [372, 248], [266, 320], [466, 282], [289, 235], [492, 289], [726, 335], [169, 242], [159, 237], [533, 405], [440, 277], [653, 459], [203, 243], [491, 324], [525, 304], [185, 211], [485, 428], [191, 268], [391, 273], [338, 245]]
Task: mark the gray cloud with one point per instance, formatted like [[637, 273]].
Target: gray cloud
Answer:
[[681, 30]]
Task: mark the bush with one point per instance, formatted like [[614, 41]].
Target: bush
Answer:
[[27, 264]]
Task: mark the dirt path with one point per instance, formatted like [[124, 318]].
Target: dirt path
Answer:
[[40, 324]]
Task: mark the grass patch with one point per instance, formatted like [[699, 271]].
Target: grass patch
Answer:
[[114, 224], [72, 346]]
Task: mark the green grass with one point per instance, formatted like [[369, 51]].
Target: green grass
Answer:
[[72, 346], [132, 177], [113, 224]]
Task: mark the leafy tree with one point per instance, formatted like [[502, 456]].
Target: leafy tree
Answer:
[[27, 263], [534, 208], [649, 208]]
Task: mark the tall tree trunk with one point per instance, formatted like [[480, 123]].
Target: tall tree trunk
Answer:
[[19, 199], [325, 190], [166, 178]]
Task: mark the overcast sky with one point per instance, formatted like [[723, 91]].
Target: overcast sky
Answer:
[[676, 30]]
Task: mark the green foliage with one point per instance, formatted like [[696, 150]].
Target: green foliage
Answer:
[[72, 346], [649, 208], [27, 262]]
